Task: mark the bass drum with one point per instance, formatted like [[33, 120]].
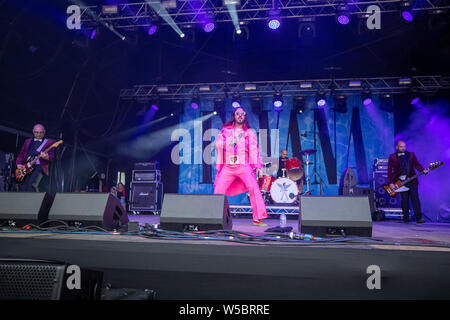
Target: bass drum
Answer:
[[284, 190]]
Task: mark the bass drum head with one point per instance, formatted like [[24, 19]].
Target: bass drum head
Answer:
[[284, 190]]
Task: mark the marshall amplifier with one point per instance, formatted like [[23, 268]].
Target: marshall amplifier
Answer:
[[146, 166], [145, 196], [147, 175]]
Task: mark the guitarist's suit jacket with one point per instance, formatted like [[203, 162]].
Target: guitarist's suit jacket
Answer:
[[394, 169], [23, 154]]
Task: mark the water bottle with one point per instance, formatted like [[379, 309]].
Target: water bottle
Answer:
[[283, 220]]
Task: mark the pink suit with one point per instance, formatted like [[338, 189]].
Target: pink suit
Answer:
[[235, 164]]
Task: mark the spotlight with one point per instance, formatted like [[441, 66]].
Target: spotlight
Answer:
[[406, 7], [321, 99], [219, 104], [340, 103], [208, 23], [236, 101], [299, 104], [277, 101], [414, 96], [93, 33], [152, 29], [195, 102], [366, 97], [274, 21], [182, 35], [343, 15]]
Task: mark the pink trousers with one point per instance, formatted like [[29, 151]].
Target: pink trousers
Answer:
[[244, 172]]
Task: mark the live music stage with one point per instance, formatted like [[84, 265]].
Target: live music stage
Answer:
[[413, 259]]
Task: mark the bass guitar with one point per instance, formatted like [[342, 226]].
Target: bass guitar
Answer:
[[400, 185]]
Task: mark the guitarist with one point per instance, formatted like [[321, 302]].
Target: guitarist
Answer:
[[401, 165], [33, 147]]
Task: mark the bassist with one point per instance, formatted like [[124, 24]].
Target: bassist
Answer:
[[401, 165], [34, 147]]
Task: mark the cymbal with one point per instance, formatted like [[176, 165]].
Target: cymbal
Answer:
[[307, 151]]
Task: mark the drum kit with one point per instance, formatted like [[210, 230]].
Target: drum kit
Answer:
[[284, 190]]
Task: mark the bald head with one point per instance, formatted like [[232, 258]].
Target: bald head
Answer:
[[38, 131], [401, 146], [283, 153]]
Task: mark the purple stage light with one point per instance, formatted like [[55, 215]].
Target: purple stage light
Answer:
[[155, 107], [152, 30], [93, 34], [367, 101], [235, 104], [415, 100], [343, 19], [407, 15], [194, 105], [209, 26]]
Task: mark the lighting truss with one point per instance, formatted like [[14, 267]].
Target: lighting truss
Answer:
[[135, 14], [425, 84]]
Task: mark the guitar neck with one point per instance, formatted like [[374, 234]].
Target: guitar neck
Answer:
[[412, 178], [39, 155]]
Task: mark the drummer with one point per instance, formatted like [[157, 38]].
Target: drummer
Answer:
[[282, 165]]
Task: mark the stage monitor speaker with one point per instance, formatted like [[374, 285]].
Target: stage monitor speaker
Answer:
[[87, 209], [195, 212], [335, 216], [21, 208], [47, 280]]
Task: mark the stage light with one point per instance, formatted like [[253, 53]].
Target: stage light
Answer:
[[182, 35], [306, 85], [155, 107], [299, 104], [195, 102], [249, 86], [343, 15], [406, 9], [405, 81], [414, 96], [152, 29], [277, 101], [215, 113], [274, 22], [354, 83], [236, 101], [208, 23], [93, 33], [162, 89], [340, 103], [110, 9], [366, 97], [321, 99]]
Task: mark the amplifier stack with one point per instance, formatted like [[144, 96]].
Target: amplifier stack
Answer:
[[146, 188], [391, 206]]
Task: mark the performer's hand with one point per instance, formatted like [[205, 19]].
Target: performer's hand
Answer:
[[425, 171], [392, 186], [44, 155]]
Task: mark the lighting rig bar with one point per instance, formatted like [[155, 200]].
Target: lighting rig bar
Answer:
[[140, 14], [389, 85]]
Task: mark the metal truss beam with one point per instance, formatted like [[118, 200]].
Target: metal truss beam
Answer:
[[140, 14], [388, 85]]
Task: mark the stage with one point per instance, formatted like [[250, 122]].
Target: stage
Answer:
[[413, 259]]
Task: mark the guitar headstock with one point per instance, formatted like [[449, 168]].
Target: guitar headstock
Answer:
[[57, 143], [435, 165]]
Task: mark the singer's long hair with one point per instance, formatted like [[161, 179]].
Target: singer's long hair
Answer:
[[246, 125]]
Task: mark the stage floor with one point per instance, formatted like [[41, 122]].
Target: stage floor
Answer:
[[389, 231]]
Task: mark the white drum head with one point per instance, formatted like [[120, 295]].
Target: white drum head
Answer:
[[284, 190]]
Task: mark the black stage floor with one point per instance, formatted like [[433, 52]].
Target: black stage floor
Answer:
[[413, 259]]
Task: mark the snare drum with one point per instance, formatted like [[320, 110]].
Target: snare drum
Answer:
[[284, 190], [294, 169]]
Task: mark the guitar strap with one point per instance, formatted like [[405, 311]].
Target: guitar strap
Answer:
[[40, 148]]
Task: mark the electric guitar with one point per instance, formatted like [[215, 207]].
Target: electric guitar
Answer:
[[399, 185], [31, 163]]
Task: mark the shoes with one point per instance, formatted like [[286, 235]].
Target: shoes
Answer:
[[259, 223], [420, 221]]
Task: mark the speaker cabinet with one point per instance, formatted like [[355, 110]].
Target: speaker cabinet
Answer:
[[326, 216], [382, 200], [195, 212], [21, 208], [47, 280], [86, 209], [145, 196]]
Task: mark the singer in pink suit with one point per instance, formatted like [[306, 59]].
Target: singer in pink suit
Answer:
[[237, 158]]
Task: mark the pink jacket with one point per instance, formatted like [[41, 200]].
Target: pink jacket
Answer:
[[246, 152]]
